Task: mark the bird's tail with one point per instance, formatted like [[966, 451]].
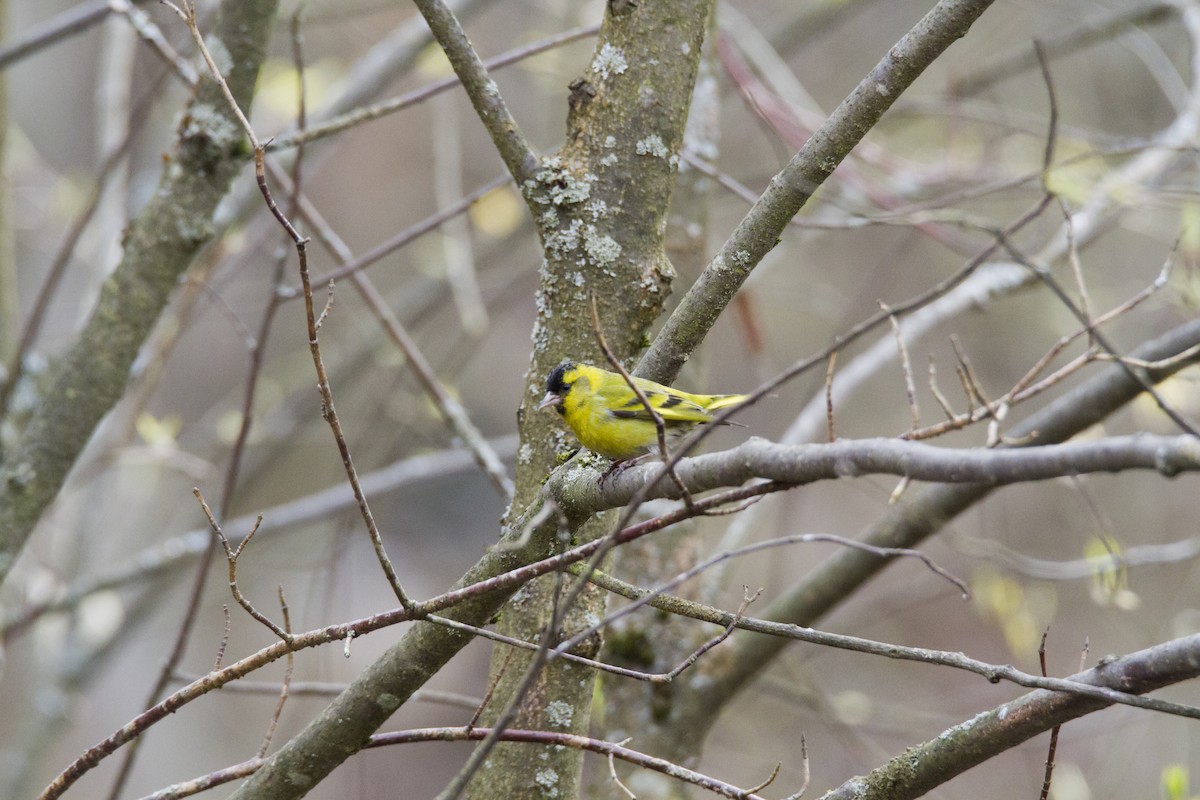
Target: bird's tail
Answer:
[[718, 401]]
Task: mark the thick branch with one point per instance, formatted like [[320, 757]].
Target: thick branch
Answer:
[[759, 231], [161, 242], [806, 463], [346, 725], [907, 524], [600, 208], [521, 161], [970, 743]]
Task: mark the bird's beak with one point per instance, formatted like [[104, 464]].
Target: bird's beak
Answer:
[[549, 401]]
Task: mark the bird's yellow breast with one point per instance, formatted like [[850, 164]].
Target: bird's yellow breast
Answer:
[[589, 417]]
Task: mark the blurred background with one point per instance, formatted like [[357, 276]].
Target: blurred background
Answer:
[[959, 155]]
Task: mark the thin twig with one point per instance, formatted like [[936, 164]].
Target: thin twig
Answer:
[[231, 558], [450, 409], [552, 738], [910, 384], [544, 738], [937, 392], [831, 434], [783, 541], [805, 770], [747, 598], [187, 12], [328, 410], [331, 689], [612, 770], [660, 427], [224, 637], [1053, 731], [1052, 121], [901, 487], [971, 385], [1077, 269], [770, 779], [285, 687], [353, 118], [491, 690], [974, 391], [965, 383]]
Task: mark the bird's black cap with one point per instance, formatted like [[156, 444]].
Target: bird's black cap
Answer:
[[555, 383]]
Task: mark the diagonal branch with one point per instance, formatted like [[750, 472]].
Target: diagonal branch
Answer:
[[759, 231], [909, 523], [510, 143], [159, 245], [970, 743], [452, 411]]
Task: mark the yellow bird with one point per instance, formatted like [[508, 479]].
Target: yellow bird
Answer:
[[608, 417]]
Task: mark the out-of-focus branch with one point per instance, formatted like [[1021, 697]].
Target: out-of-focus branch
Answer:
[[176, 551], [953, 752], [759, 231], [452, 411], [1002, 278], [1086, 34], [54, 274], [70, 22], [908, 523], [372, 74], [506, 135], [161, 243], [353, 115]]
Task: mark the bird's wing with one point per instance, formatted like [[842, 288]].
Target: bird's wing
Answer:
[[622, 403]]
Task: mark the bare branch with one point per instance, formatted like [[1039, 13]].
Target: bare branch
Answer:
[[545, 738], [789, 190], [354, 118], [799, 464], [231, 557], [919, 770], [65, 24], [506, 135], [156, 252]]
